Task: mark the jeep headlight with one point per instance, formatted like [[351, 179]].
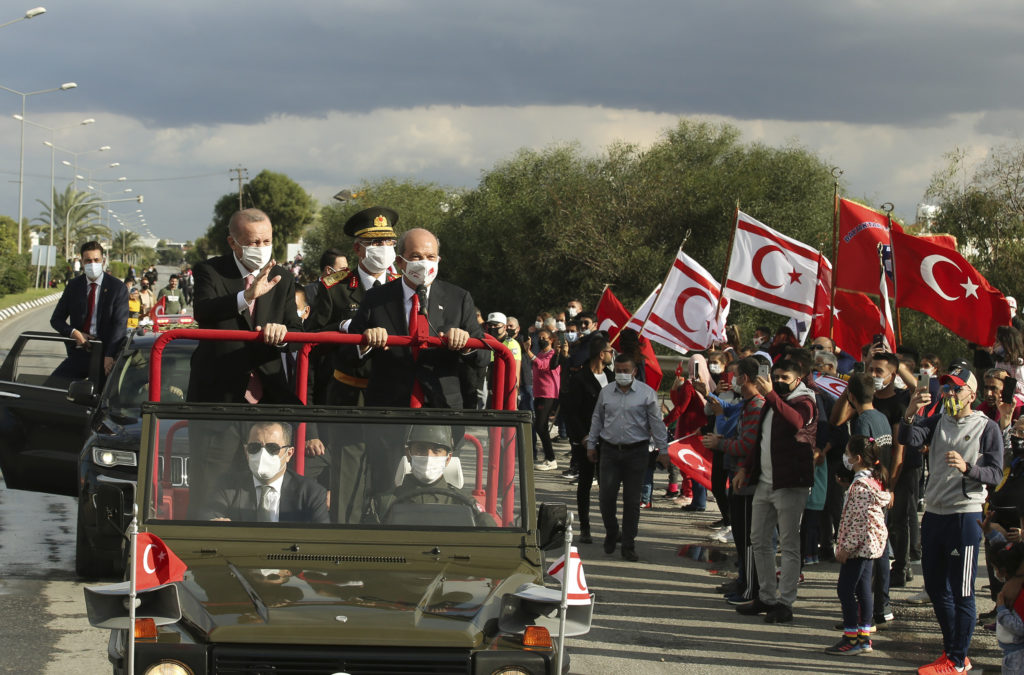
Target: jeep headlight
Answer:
[[169, 668], [109, 457]]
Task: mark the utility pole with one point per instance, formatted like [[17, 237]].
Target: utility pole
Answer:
[[238, 177]]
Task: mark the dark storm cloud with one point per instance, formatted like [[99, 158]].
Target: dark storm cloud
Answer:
[[178, 63]]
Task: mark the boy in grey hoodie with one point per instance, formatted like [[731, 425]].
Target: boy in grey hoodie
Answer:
[[965, 455]]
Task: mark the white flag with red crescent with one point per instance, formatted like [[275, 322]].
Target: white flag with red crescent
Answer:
[[772, 271], [578, 593], [685, 315]]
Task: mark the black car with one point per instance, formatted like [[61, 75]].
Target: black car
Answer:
[[63, 437]]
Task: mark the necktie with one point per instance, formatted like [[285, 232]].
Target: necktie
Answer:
[[376, 283], [253, 390], [268, 500], [90, 309]]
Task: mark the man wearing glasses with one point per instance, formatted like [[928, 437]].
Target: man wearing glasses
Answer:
[[268, 492], [965, 455]]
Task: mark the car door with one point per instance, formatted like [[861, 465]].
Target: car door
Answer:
[[41, 432]]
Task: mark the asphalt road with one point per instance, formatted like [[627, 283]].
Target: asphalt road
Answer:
[[660, 615]]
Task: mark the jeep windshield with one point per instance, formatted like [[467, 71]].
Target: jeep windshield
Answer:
[[129, 385], [287, 467]]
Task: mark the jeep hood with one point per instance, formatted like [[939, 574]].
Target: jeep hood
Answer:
[[434, 604]]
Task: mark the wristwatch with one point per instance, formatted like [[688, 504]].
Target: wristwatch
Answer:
[[967, 468]]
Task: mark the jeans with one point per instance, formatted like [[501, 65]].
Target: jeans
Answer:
[[854, 591], [700, 495], [783, 508], [949, 544], [626, 468], [543, 407]]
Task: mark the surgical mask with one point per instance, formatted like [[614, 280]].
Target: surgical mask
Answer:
[[264, 465], [421, 272], [879, 383], [302, 314], [538, 325], [376, 259], [573, 312], [256, 257], [930, 371], [782, 389], [623, 379], [715, 368], [847, 462], [587, 331], [737, 388], [428, 469], [758, 341], [572, 336], [952, 405], [899, 383], [560, 325], [93, 270]]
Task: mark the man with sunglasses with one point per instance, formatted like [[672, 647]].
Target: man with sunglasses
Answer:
[[268, 492], [965, 456]]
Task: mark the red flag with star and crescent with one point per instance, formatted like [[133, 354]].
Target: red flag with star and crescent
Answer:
[[692, 458], [611, 317], [155, 562], [861, 230], [772, 271], [939, 282]]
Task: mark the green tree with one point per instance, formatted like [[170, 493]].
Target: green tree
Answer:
[[127, 246], [14, 276], [290, 209], [85, 222]]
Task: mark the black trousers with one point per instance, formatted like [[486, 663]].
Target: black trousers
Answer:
[[586, 479], [623, 467], [904, 525], [740, 515], [719, 474], [542, 408]]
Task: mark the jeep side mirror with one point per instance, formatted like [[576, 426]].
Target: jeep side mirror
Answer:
[[82, 392], [551, 521]]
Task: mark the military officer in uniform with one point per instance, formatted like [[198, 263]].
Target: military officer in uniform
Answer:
[[335, 304]]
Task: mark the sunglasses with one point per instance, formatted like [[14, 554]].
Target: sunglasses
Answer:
[[952, 388], [817, 347], [272, 448]]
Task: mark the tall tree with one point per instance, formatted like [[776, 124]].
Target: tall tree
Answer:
[[290, 208], [85, 223]]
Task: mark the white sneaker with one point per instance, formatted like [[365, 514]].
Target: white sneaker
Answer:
[[547, 466], [920, 598], [723, 536]]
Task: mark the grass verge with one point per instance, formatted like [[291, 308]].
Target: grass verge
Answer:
[[31, 294]]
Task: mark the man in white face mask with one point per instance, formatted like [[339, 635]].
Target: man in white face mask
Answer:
[[268, 492], [94, 306], [449, 313]]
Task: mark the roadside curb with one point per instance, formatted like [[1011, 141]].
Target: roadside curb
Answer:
[[25, 306]]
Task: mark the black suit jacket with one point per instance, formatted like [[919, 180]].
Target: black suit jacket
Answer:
[[393, 370], [111, 312], [578, 401], [220, 370], [303, 500]]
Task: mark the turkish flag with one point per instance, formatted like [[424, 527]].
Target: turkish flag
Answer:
[[155, 563], [692, 458], [856, 321], [611, 317], [861, 230], [772, 271], [689, 312], [940, 283]]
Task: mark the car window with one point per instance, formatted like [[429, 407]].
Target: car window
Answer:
[[370, 475], [37, 361], [129, 385]]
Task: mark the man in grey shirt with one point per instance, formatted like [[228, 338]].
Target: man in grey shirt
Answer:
[[626, 422]]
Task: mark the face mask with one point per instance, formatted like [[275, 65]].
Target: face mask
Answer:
[[573, 312], [737, 388], [782, 389], [421, 272], [538, 325], [952, 405], [93, 270], [428, 469], [264, 465], [560, 325], [930, 371], [587, 331], [758, 341], [256, 257], [544, 344], [715, 368], [899, 383], [847, 463], [302, 315], [623, 379], [572, 336], [879, 383], [512, 332], [376, 259]]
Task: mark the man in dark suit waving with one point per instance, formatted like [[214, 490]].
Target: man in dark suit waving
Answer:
[[384, 311], [268, 492], [94, 305]]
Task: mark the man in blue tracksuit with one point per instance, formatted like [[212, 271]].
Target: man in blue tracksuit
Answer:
[[965, 455]]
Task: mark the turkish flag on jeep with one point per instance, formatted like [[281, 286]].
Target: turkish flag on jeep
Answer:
[[155, 563], [692, 458]]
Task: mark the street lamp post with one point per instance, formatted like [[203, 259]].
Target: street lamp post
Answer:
[[67, 217], [21, 162], [30, 14]]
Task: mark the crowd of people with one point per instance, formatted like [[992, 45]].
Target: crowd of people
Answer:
[[817, 454]]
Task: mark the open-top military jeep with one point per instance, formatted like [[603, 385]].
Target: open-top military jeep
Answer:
[[440, 572]]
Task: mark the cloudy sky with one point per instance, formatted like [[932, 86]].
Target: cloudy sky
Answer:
[[335, 91]]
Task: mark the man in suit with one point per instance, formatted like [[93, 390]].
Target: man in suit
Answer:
[[244, 290], [450, 313], [268, 492], [94, 306]]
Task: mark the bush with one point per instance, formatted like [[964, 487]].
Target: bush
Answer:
[[13, 278], [118, 269]]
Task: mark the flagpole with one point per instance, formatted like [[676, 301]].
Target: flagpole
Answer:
[[728, 257], [686, 237], [836, 173], [133, 535], [563, 607], [888, 207]]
